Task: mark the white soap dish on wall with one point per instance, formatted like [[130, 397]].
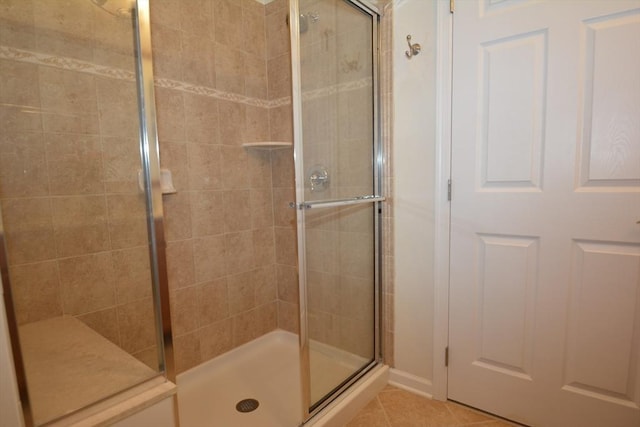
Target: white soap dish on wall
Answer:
[[166, 181]]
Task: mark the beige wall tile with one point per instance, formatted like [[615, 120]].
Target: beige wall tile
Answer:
[[166, 45], [75, 164], [264, 280], [175, 158], [127, 220], [69, 100], [228, 23], [23, 169], [283, 214], [286, 246], [137, 326], [261, 208], [207, 213], [149, 356], [170, 114], [288, 318], [245, 327], [113, 42], [204, 168], [287, 277], [255, 76], [177, 216], [132, 274], [184, 310], [17, 83], [17, 118], [121, 158], [355, 298], [324, 292], [36, 291], [276, 5], [117, 107], [277, 31], [264, 246], [198, 60], [17, 24], [257, 124], [180, 267], [253, 31], [238, 252], [237, 210], [87, 283], [356, 255], [65, 31], [164, 13], [267, 318], [229, 69], [196, 17], [201, 118], [29, 230], [280, 120], [209, 258], [282, 169], [234, 168], [213, 301], [279, 76], [80, 225], [216, 338], [231, 129], [104, 322], [260, 169], [242, 292], [187, 351]]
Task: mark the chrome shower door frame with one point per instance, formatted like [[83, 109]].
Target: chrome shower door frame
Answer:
[[375, 200]]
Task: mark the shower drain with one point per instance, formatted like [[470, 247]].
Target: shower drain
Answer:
[[247, 405]]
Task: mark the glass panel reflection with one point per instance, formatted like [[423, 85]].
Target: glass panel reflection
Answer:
[[73, 215], [337, 99], [340, 285]]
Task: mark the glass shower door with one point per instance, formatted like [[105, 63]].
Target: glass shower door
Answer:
[[337, 191], [76, 268]]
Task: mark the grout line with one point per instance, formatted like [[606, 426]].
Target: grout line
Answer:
[[384, 410]]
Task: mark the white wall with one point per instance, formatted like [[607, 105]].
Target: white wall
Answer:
[[414, 160]]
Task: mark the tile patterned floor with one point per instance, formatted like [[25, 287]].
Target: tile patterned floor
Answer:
[[393, 407]]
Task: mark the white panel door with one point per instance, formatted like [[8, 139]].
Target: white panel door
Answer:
[[545, 249]]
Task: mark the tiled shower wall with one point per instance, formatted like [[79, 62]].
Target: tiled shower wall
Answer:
[[74, 217], [228, 243]]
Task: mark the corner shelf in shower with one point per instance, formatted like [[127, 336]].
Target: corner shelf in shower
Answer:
[[267, 145]]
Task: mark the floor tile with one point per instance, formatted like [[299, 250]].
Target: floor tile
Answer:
[[394, 407]]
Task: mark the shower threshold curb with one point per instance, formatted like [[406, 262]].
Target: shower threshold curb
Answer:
[[345, 407]]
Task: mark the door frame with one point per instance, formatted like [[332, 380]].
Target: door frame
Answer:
[[442, 218]]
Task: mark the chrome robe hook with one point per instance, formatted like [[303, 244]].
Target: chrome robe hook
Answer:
[[414, 48]]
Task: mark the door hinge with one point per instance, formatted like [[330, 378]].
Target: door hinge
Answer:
[[446, 356], [449, 190], [452, 5]]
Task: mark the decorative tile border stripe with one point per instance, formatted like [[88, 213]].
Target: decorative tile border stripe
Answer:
[[71, 64], [64, 63], [214, 93]]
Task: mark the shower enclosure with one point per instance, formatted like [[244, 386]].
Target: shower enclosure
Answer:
[[267, 118]]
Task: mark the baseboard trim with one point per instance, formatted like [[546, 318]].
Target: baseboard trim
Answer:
[[410, 382]]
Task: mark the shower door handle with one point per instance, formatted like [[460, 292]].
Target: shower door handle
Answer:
[[336, 203]]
